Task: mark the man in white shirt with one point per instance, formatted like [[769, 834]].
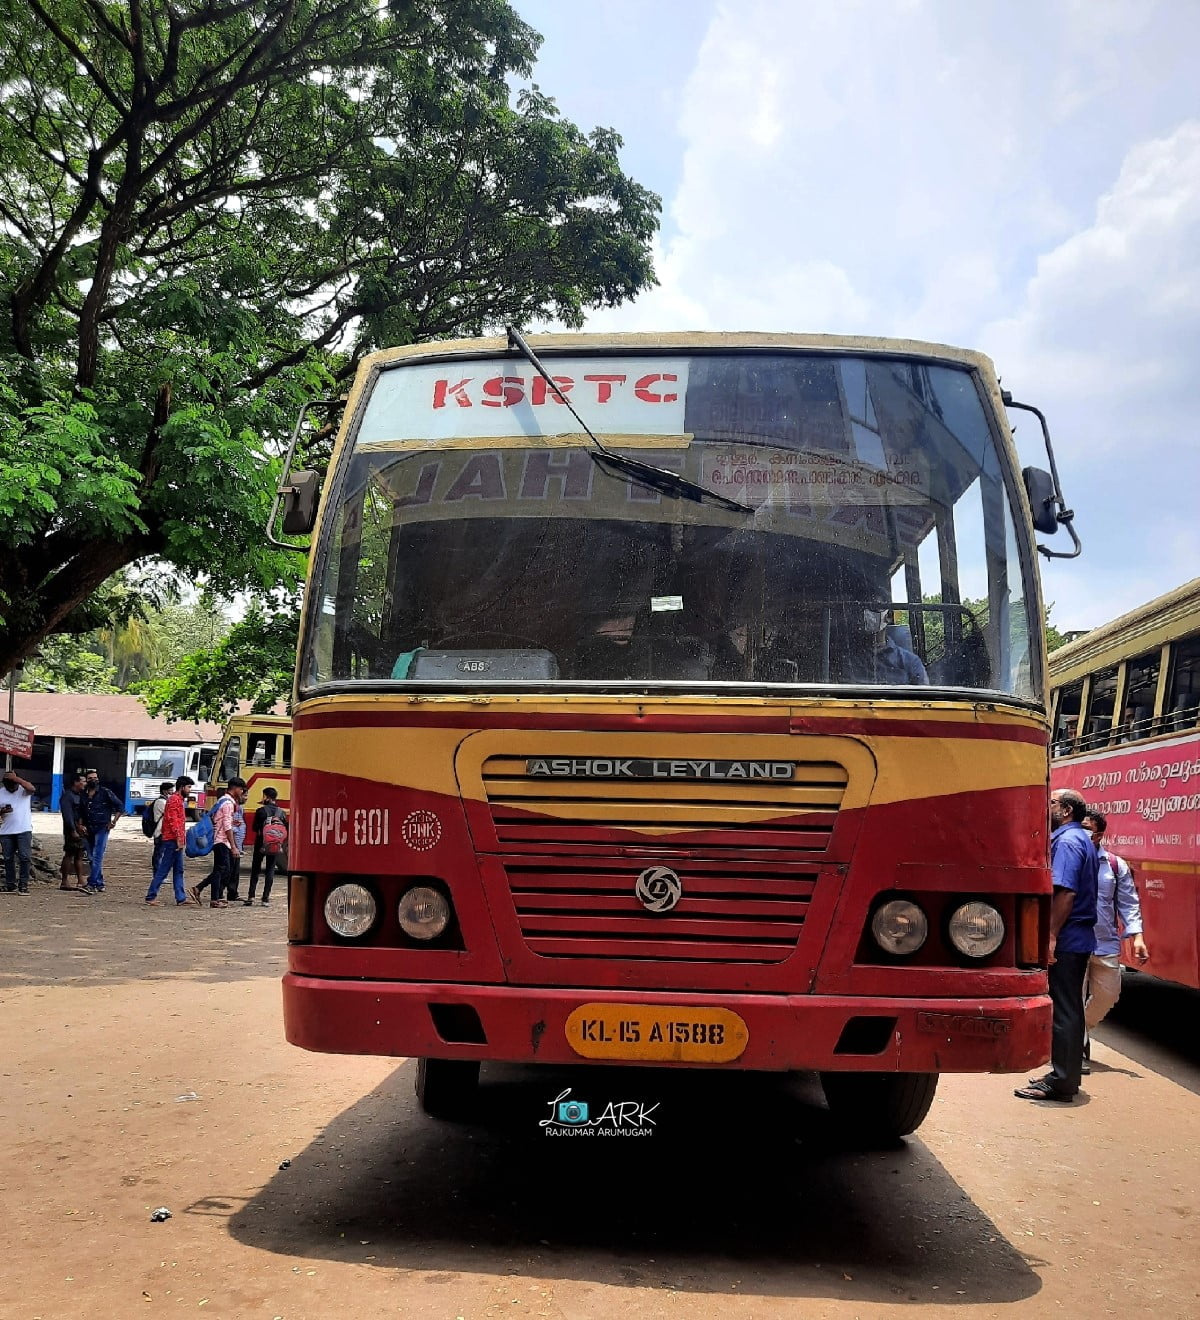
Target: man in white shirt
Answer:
[[16, 830]]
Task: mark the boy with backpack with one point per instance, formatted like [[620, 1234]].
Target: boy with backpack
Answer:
[[270, 835], [152, 819], [1118, 917], [173, 829], [225, 817]]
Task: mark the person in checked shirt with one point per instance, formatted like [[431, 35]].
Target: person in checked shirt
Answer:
[[174, 836], [1118, 917]]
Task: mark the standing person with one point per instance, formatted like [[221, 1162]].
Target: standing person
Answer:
[[156, 810], [225, 846], [101, 810], [234, 876], [16, 830], [74, 835], [270, 810], [174, 835], [1075, 866], [1118, 917]]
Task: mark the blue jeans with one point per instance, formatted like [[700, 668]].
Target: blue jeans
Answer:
[[98, 842], [171, 859], [16, 848]]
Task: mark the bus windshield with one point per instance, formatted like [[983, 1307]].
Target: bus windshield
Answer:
[[471, 537], [161, 763]]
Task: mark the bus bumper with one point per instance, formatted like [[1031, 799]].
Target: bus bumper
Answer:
[[522, 1024]]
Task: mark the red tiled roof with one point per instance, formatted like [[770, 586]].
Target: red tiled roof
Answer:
[[102, 715]]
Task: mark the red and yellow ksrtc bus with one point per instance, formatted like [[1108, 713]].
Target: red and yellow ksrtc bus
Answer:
[[258, 749], [674, 700], [1127, 737]]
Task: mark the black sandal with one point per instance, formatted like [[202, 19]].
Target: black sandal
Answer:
[[1042, 1090]]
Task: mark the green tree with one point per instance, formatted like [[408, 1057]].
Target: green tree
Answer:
[[68, 664], [253, 662], [209, 210]]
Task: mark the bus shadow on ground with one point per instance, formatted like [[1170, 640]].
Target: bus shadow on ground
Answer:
[[744, 1188]]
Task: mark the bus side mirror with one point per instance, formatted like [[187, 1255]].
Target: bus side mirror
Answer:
[[300, 499], [1039, 487]]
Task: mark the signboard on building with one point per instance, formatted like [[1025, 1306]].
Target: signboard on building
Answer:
[[16, 740]]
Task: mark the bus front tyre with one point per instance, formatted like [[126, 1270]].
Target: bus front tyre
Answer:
[[446, 1087], [873, 1108]]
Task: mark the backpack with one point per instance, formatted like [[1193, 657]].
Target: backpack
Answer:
[[274, 833], [201, 836], [152, 815]]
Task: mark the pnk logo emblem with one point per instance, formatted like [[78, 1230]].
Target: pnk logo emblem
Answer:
[[658, 889], [421, 830]]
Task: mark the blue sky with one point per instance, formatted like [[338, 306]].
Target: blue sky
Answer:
[[1018, 177]]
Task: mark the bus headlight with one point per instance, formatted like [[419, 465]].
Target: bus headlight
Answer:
[[976, 929], [350, 911], [899, 926], [424, 912]]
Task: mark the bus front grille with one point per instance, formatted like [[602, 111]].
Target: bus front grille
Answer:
[[726, 912], [586, 817]]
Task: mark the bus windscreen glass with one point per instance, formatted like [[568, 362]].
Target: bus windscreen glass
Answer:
[[160, 763], [470, 537]]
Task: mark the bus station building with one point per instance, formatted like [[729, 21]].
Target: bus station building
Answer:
[[75, 731]]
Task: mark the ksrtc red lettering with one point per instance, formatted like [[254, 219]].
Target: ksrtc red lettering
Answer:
[[541, 391], [443, 391], [647, 395], [604, 385]]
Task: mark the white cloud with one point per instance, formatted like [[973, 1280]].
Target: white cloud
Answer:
[[915, 169], [1107, 338]]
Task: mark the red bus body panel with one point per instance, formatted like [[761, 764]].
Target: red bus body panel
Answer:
[[1150, 794], [941, 805]]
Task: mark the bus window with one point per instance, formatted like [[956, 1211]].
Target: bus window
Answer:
[[231, 764], [287, 751], [260, 749], [204, 768], [1066, 720], [1141, 689], [1097, 730], [1183, 706]]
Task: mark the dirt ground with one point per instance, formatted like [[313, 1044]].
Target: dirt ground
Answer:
[[142, 1064]]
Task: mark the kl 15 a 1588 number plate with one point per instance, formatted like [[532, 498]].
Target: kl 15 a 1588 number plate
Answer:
[[656, 1034]]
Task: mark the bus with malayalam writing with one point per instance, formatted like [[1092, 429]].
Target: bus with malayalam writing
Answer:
[[673, 700], [1126, 710]]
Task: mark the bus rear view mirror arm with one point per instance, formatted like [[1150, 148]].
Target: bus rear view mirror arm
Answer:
[[298, 492], [1044, 490]]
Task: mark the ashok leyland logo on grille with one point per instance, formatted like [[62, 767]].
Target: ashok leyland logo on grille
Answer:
[[658, 889]]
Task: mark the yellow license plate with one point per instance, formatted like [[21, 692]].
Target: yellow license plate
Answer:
[[662, 1034]]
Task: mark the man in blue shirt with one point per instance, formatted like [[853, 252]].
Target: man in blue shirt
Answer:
[[101, 809], [1075, 865], [885, 661]]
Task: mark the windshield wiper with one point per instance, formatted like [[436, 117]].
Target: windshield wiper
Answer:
[[645, 474]]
